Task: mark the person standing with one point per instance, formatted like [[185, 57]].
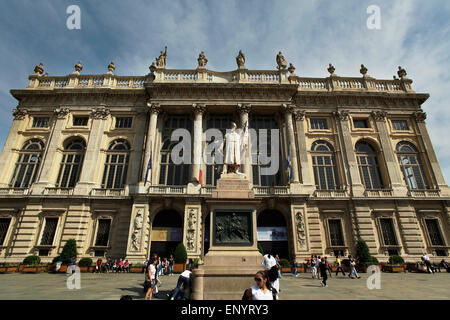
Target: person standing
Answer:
[[323, 267], [279, 265], [426, 260], [318, 261], [171, 263], [328, 266], [152, 278], [262, 290], [339, 266], [270, 265], [353, 271], [313, 266], [294, 268]]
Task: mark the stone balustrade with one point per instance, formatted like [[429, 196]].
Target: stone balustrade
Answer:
[[378, 193], [108, 192], [329, 84], [424, 193], [58, 191], [330, 194]]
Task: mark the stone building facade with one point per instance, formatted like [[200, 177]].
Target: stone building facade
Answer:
[[87, 158]]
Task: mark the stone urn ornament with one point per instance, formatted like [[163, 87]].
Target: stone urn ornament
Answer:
[[39, 69], [111, 67], [363, 70], [78, 68], [331, 69]]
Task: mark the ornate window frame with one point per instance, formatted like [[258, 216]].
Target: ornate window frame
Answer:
[[366, 117], [13, 215], [43, 215], [334, 215], [408, 122], [387, 214], [319, 117], [97, 215], [432, 214]]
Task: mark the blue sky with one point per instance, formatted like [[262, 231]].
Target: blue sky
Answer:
[[311, 34]]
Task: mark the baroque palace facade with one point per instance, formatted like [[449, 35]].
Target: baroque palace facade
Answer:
[[87, 158]]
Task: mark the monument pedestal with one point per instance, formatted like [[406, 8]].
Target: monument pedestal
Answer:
[[233, 258]]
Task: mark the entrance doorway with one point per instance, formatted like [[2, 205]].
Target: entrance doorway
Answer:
[[272, 233], [167, 233]]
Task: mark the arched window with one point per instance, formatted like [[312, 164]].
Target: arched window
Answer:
[[411, 166], [324, 165], [369, 169], [27, 166], [116, 164], [71, 164]]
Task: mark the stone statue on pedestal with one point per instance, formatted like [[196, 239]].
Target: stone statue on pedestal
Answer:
[[281, 62], [235, 144], [202, 61], [161, 60], [240, 60]]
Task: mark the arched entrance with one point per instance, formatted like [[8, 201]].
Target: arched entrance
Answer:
[[272, 233], [167, 232]]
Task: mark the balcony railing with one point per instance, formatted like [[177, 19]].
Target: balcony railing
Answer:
[[14, 191], [167, 189], [424, 193], [58, 191], [108, 192], [330, 194], [266, 191], [378, 193]]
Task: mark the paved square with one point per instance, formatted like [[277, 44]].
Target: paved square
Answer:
[[112, 286]]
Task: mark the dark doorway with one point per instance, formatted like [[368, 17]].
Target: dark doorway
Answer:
[[167, 233], [272, 233]]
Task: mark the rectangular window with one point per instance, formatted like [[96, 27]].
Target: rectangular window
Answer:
[[360, 123], [49, 231], [40, 122], [123, 122], [103, 232], [43, 252], [319, 124], [80, 121], [4, 225], [434, 231], [388, 232], [336, 236], [400, 125]]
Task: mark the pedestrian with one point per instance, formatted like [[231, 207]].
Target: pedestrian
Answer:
[[426, 260], [171, 263], [323, 266], [353, 272], [183, 280], [294, 268], [114, 268], [339, 266], [120, 265], [262, 290], [313, 266], [270, 265], [98, 265], [151, 279], [126, 266], [328, 266], [318, 261], [279, 265]]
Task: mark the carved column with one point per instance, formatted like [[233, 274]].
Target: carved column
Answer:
[[348, 153], [306, 178], [393, 169], [199, 110], [90, 170], [299, 231], [6, 157], [244, 110], [288, 110], [49, 159], [155, 109], [192, 228], [138, 235], [420, 117]]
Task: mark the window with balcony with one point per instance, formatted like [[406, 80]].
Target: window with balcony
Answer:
[[71, 164], [28, 163], [411, 166], [369, 169], [103, 228], [48, 235], [4, 225], [123, 122], [388, 232], [170, 173], [221, 122], [116, 165], [268, 122], [336, 234], [434, 232], [324, 165], [319, 124], [40, 122]]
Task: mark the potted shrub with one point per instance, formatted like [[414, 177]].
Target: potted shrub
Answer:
[[137, 268], [31, 264], [285, 265], [8, 267], [363, 256], [396, 264], [69, 250], [85, 265], [180, 257]]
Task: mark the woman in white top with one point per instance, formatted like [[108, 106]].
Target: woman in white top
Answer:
[[152, 278], [269, 263], [262, 290]]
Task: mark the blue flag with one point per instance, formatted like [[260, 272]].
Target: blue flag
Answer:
[[288, 167]]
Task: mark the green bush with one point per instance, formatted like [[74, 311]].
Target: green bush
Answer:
[[56, 259], [372, 261], [32, 260], [396, 260], [285, 263], [180, 254], [362, 252], [69, 250], [196, 262], [260, 249], [85, 262]]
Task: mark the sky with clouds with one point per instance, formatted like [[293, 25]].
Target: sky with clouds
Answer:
[[311, 34]]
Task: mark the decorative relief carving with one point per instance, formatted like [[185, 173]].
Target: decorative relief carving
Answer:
[[199, 108], [379, 115], [19, 114], [61, 113], [244, 108], [341, 115], [137, 231], [191, 230], [299, 115], [301, 231], [420, 116], [154, 107], [100, 113], [288, 108]]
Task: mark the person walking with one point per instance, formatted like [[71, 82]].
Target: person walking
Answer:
[[313, 266], [328, 266], [279, 265], [294, 268], [323, 267], [171, 263], [353, 272], [426, 260], [270, 265], [262, 290], [152, 279], [339, 266], [318, 261]]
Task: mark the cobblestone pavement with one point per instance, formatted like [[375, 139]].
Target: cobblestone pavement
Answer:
[[112, 286]]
